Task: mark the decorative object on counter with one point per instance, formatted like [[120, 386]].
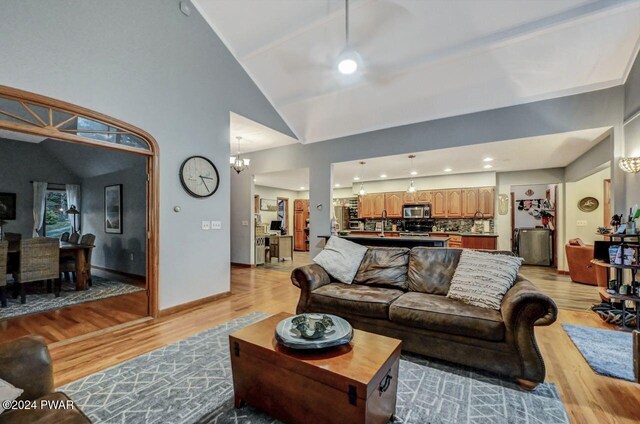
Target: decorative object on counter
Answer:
[[603, 230], [588, 204], [412, 187], [362, 191], [630, 165], [238, 163], [503, 204], [616, 220], [313, 331], [634, 213]]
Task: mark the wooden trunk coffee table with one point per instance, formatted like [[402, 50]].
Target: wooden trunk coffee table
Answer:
[[354, 383]]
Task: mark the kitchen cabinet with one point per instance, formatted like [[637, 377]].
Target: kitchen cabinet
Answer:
[[377, 201], [454, 203], [454, 240], [365, 207], [410, 198], [486, 201], [439, 204], [469, 202], [424, 196], [371, 205], [479, 242], [393, 204]]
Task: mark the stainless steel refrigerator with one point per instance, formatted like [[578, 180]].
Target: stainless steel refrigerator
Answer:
[[535, 245], [342, 217]]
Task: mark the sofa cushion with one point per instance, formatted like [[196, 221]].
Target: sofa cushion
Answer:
[[482, 278], [439, 313], [341, 258], [384, 267], [354, 299], [8, 392], [431, 269]]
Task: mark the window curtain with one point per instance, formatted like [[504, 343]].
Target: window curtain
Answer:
[[39, 200], [73, 198]]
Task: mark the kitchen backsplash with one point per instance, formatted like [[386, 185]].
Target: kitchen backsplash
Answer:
[[443, 224]]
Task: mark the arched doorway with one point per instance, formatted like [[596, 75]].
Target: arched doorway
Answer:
[[34, 114]]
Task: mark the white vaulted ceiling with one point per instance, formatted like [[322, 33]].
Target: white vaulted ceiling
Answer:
[[424, 59]]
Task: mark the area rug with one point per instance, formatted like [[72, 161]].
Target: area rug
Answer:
[[608, 352], [190, 382], [38, 300]]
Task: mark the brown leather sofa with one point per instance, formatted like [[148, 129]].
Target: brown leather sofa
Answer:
[[401, 293], [26, 364], [579, 256]]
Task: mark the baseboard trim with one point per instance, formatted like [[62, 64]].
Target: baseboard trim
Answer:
[[561, 272], [137, 277], [193, 304], [240, 265], [99, 332]]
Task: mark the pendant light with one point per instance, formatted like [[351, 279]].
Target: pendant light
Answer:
[[239, 164], [412, 187], [348, 60], [362, 191]]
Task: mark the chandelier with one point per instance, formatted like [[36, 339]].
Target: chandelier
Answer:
[[412, 187], [238, 163], [630, 165], [362, 191]]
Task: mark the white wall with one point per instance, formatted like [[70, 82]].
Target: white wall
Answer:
[[477, 179], [592, 186]]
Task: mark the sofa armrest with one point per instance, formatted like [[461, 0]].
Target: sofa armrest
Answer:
[[525, 304], [310, 277], [26, 364]]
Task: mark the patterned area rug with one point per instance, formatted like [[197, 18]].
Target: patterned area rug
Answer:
[[190, 382], [38, 300], [607, 352]]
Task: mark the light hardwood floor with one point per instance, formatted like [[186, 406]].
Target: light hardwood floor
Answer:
[[588, 397]]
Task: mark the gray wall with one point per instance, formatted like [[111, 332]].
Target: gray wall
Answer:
[[146, 63], [632, 130], [20, 163], [124, 252], [592, 161], [596, 109]]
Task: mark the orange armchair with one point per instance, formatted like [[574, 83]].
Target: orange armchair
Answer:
[[579, 256]]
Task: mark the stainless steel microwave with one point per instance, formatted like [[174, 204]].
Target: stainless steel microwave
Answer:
[[416, 211]]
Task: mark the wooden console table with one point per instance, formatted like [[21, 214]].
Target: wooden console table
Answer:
[[281, 247]]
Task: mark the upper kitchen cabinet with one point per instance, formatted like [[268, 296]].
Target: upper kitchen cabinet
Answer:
[[410, 198], [378, 202], [393, 204], [365, 207], [469, 202], [439, 204], [424, 196], [486, 201], [454, 203]]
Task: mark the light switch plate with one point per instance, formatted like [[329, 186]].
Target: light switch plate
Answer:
[[216, 225], [245, 223], [206, 225], [581, 223]]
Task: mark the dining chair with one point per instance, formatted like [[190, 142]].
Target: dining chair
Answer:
[[13, 239], [65, 236], [68, 263], [4, 253], [39, 261], [74, 238]]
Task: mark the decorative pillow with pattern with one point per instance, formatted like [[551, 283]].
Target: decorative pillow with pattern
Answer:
[[8, 393], [341, 258], [482, 279]]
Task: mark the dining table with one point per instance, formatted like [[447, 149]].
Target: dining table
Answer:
[[78, 251]]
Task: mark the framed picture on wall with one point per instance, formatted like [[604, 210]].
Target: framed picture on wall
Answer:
[[268, 205], [8, 206], [113, 209]]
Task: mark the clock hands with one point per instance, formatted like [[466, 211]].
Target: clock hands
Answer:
[[205, 183], [208, 178]]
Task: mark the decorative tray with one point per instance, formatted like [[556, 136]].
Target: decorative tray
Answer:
[[313, 331]]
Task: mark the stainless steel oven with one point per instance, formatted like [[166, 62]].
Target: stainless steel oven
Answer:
[[416, 211], [356, 225]]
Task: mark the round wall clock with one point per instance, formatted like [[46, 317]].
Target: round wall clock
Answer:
[[199, 176], [588, 204]]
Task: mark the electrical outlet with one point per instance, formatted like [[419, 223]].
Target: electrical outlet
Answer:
[[245, 223], [581, 223], [206, 225], [216, 225]]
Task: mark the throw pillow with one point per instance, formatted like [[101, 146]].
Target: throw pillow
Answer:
[[341, 258], [482, 278], [8, 392]]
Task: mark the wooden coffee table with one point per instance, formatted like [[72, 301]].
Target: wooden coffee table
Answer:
[[354, 383]]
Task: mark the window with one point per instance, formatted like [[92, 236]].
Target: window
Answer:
[[56, 221]]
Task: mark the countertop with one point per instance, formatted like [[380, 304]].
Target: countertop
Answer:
[[449, 233]]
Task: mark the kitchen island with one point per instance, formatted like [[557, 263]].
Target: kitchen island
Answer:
[[397, 241]]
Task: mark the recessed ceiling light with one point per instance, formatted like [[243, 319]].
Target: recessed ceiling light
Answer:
[[487, 166], [383, 175], [301, 187], [356, 178], [487, 159], [414, 172], [336, 185], [448, 169]]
